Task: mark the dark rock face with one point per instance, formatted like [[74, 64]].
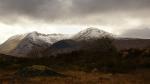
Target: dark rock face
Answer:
[[60, 47], [64, 44]]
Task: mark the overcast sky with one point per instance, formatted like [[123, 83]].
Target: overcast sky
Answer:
[[123, 17]]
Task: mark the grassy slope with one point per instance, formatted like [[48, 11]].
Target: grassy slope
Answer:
[[79, 77]]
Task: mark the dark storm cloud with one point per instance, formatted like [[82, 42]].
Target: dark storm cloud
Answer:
[[90, 6], [56, 9], [20, 6], [142, 32], [36, 9]]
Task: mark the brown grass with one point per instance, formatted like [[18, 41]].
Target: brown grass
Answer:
[[79, 77]]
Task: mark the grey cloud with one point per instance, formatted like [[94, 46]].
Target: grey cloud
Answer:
[[51, 10], [36, 9], [142, 32], [100, 6]]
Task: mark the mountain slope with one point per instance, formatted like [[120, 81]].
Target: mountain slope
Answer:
[[11, 43]]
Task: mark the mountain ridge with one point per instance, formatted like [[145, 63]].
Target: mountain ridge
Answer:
[[34, 42]]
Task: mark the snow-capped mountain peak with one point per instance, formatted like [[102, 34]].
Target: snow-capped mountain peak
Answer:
[[91, 33]]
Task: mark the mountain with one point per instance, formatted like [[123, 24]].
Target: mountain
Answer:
[[11, 43], [91, 33], [25, 44], [34, 44]]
